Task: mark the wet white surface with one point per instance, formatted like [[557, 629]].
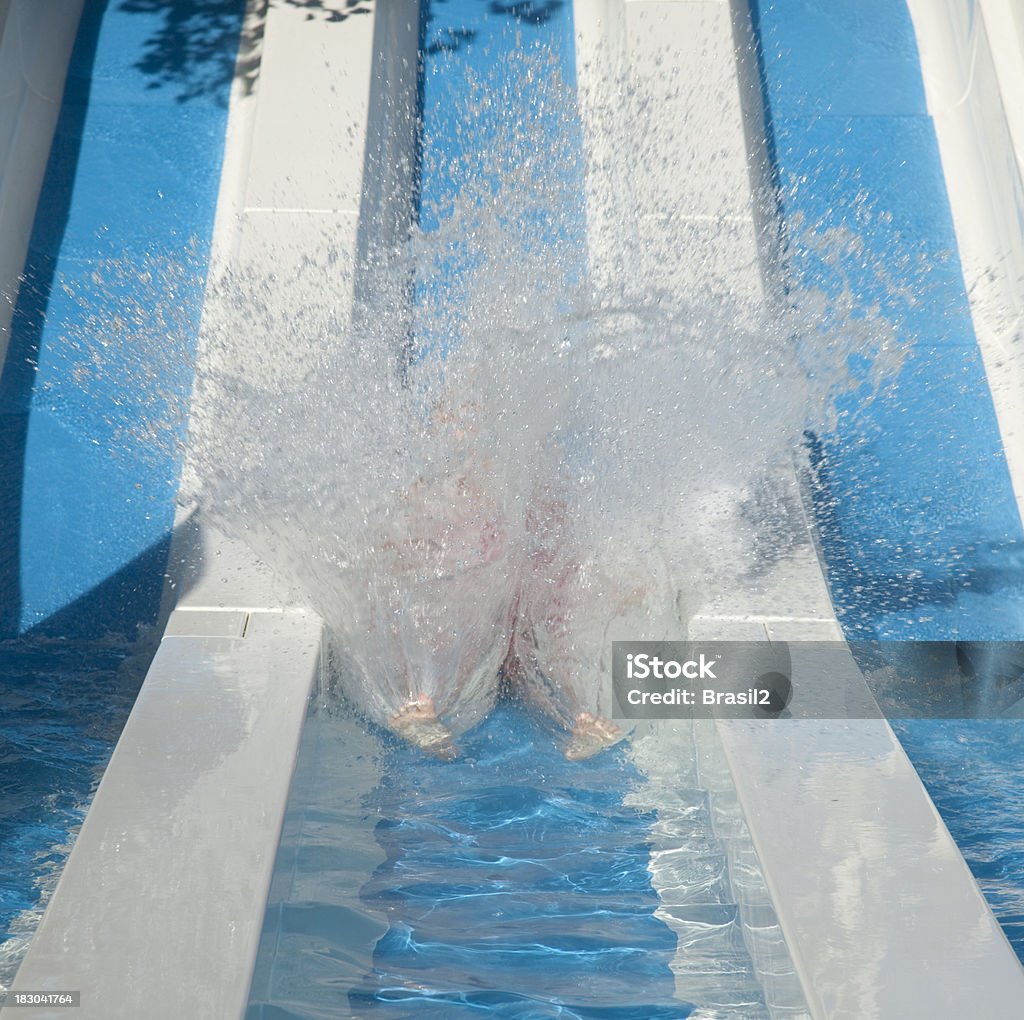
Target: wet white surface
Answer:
[[159, 909]]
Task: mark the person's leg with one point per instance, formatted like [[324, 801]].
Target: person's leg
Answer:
[[417, 722]]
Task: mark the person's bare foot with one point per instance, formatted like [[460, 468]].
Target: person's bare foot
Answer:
[[417, 722], [591, 735]]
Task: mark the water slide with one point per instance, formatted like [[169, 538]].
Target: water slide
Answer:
[[266, 190]]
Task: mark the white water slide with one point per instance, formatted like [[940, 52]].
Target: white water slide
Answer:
[[851, 906]]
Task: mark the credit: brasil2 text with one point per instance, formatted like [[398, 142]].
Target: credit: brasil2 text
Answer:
[[753, 696]]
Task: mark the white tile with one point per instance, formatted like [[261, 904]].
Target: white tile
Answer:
[[207, 623], [684, 255], [313, 93], [714, 627], [803, 630], [688, 141]]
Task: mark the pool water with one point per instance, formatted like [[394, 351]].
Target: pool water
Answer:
[[508, 883], [974, 771], [513, 879], [62, 707]]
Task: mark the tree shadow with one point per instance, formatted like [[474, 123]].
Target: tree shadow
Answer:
[[449, 40], [194, 45], [524, 12], [338, 11], [197, 48], [532, 12]]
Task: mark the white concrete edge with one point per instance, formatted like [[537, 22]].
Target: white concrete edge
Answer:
[[879, 910], [207, 570], [601, 58], [896, 958], [899, 957], [290, 216], [972, 63], [1004, 22], [159, 909], [36, 40], [774, 966]]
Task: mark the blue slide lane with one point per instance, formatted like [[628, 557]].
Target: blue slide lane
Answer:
[[516, 883], [921, 533], [471, 48], [94, 390]]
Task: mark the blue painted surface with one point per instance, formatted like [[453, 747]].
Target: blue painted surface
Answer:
[[921, 532], [95, 388], [473, 48], [841, 60]]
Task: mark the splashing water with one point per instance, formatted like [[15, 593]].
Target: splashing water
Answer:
[[547, 465]]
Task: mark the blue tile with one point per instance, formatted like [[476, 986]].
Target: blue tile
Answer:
[[88, 514], [824, 56], [99, 370], [137, 176], [917, 512]]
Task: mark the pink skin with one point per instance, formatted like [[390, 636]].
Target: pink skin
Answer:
[[591, 735], [472, 532], [549, 604], [417, 722], [450, 545]]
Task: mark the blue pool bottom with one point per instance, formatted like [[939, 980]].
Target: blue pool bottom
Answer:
[[974, 771], [509, 883]]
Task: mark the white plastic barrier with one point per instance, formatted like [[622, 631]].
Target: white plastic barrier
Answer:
[[36, 37], [972, 63]]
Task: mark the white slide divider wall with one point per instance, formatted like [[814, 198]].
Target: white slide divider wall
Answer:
[[36, 37]]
